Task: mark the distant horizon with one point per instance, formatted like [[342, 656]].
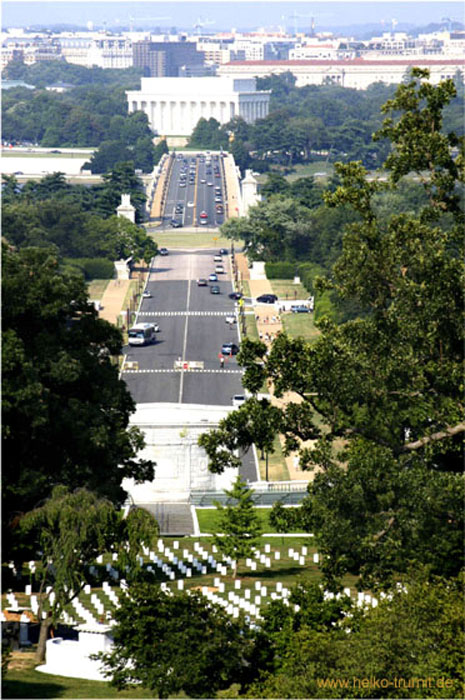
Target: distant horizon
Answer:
[[226, 15]]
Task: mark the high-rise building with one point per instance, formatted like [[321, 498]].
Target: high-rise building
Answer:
[[162, 59]]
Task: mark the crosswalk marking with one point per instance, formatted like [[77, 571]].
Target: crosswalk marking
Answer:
[[185, 313], [177, 371]]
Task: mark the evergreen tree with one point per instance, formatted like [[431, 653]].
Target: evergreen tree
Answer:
[[239, 524]]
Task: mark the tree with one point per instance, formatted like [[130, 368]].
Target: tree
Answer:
[[410, 645], [387, 385], [160, 149], [65, 411], [257, 421], [178, 642], [72, 530], [239, 524]]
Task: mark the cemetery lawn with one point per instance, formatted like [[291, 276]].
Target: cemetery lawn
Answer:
[[209, 522], [23, 681]]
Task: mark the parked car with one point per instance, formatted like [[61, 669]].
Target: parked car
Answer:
[[238, 400], [214, 289], [146, 294], [176, 224], [203, 215], [202, 282], [229, 349], [163, 251], [300, 309], [267, 299], [235, 296]]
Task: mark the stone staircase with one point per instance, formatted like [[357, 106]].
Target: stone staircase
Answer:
[[172, 518]]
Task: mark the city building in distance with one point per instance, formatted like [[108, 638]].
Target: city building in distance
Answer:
[[175, 105]]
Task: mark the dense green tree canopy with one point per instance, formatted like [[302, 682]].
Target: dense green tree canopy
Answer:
[[410, 646], [388, 384], [65, 411], [177, 643]]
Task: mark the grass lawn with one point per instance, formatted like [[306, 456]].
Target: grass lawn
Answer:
[[245, 288], [277, 468], [286, 289], [177, 239], [251, 326], [209, 523], [42, 154], [22, 681], [300, 325], [96, 288]]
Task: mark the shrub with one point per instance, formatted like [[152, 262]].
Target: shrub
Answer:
[[92, 268], [280, 270]]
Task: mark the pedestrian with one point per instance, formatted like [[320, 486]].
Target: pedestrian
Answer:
[[222, 362]]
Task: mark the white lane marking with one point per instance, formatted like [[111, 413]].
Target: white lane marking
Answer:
[[184, 345]]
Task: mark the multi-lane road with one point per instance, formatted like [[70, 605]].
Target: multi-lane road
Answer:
[[196, 194], [192, 329]]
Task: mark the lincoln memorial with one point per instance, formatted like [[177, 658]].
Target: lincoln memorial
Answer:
[[175, 105]]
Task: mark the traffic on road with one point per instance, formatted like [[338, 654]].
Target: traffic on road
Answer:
[[196, 191], [192, 356]]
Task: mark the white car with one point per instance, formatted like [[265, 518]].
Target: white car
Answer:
[[146, 294], [219, 268], [230, 319], [238, 400]]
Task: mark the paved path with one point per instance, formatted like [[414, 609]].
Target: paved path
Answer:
[[113, 299]]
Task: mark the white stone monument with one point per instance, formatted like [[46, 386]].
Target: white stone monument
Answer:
[[126, 209]]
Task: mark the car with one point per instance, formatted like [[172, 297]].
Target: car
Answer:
[[223, 251], [202, 181], [203, 215], [235, 295], [202, 282], [219, 209], [146, 294], [230, 319], [176, 224], [163, 251], [229, 349], [213, 277], [219, 268], [214, 289], [182, 184], [238, 400], [203, 222], [218, 258], [209, 184], [296, 309], [267, 299]]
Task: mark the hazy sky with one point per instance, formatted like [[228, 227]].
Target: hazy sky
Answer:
[[225, 14]]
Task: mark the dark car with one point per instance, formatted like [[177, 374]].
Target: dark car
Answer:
[[235, 295], [300, 309], [223, 251], [163, 251], [267, 299], [214, 289], [229, 349], [176, 224]]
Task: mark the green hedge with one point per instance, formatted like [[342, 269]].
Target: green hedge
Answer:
[[280, 270], [307, 273], [92, 268], [325, 307]]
